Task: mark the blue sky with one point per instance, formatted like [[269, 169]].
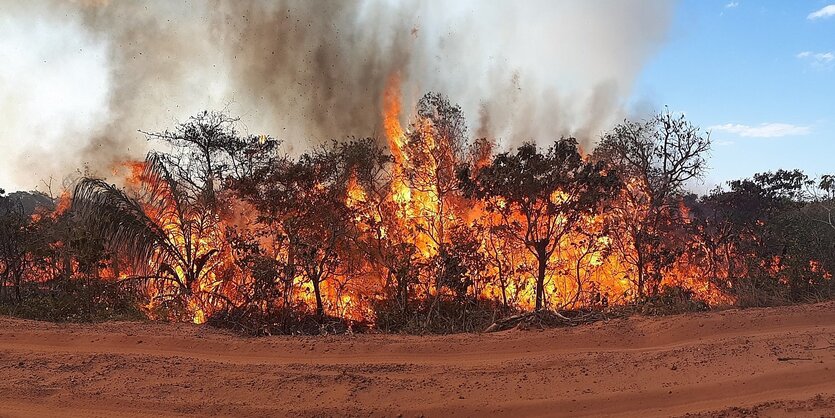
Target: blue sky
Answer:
[[761, 74]]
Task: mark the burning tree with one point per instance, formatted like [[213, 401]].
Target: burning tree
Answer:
[[305, 204], [387, 244], [435, 146], [166, 233], [205, 148], [657, 158], [170, 229], [541, 197]]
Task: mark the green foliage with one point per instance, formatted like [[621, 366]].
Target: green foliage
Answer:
[[672, 300], [448, 315], [76, 300]]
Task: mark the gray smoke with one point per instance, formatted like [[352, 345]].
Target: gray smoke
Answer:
[[87, 75]]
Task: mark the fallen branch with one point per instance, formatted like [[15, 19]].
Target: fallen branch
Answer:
[[546, 319]]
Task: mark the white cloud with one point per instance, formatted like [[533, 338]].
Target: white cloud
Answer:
[[764, 130], [827, 11], [732, 4], [824, 57], [820, 60]]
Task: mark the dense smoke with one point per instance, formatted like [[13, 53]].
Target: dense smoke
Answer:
[[80, 79]]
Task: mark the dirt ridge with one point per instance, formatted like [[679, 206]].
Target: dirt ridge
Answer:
[[754, 362]]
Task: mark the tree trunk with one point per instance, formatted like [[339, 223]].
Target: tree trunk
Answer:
[[640, 265], [729, 257], [503, 283], [542, 260], [67, 265], [17, 275], [320, 308], [403, 294]]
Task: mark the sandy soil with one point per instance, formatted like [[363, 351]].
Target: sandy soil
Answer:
[[757, 362]]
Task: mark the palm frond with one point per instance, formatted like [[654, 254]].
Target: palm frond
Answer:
[[122, 222], [163, 192], [200, 262]]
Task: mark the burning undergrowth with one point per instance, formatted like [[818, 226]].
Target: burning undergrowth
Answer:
[[428, 229]]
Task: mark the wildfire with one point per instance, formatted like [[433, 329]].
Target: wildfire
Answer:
[[584, 270]]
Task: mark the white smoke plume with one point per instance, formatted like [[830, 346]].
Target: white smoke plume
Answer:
[[79, 79]]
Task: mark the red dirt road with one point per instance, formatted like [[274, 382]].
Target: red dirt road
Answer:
[[756, 362]]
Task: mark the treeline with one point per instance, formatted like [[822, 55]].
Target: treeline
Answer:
[[427, 231]]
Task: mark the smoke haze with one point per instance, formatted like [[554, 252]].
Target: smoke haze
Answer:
[[80, 78]]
